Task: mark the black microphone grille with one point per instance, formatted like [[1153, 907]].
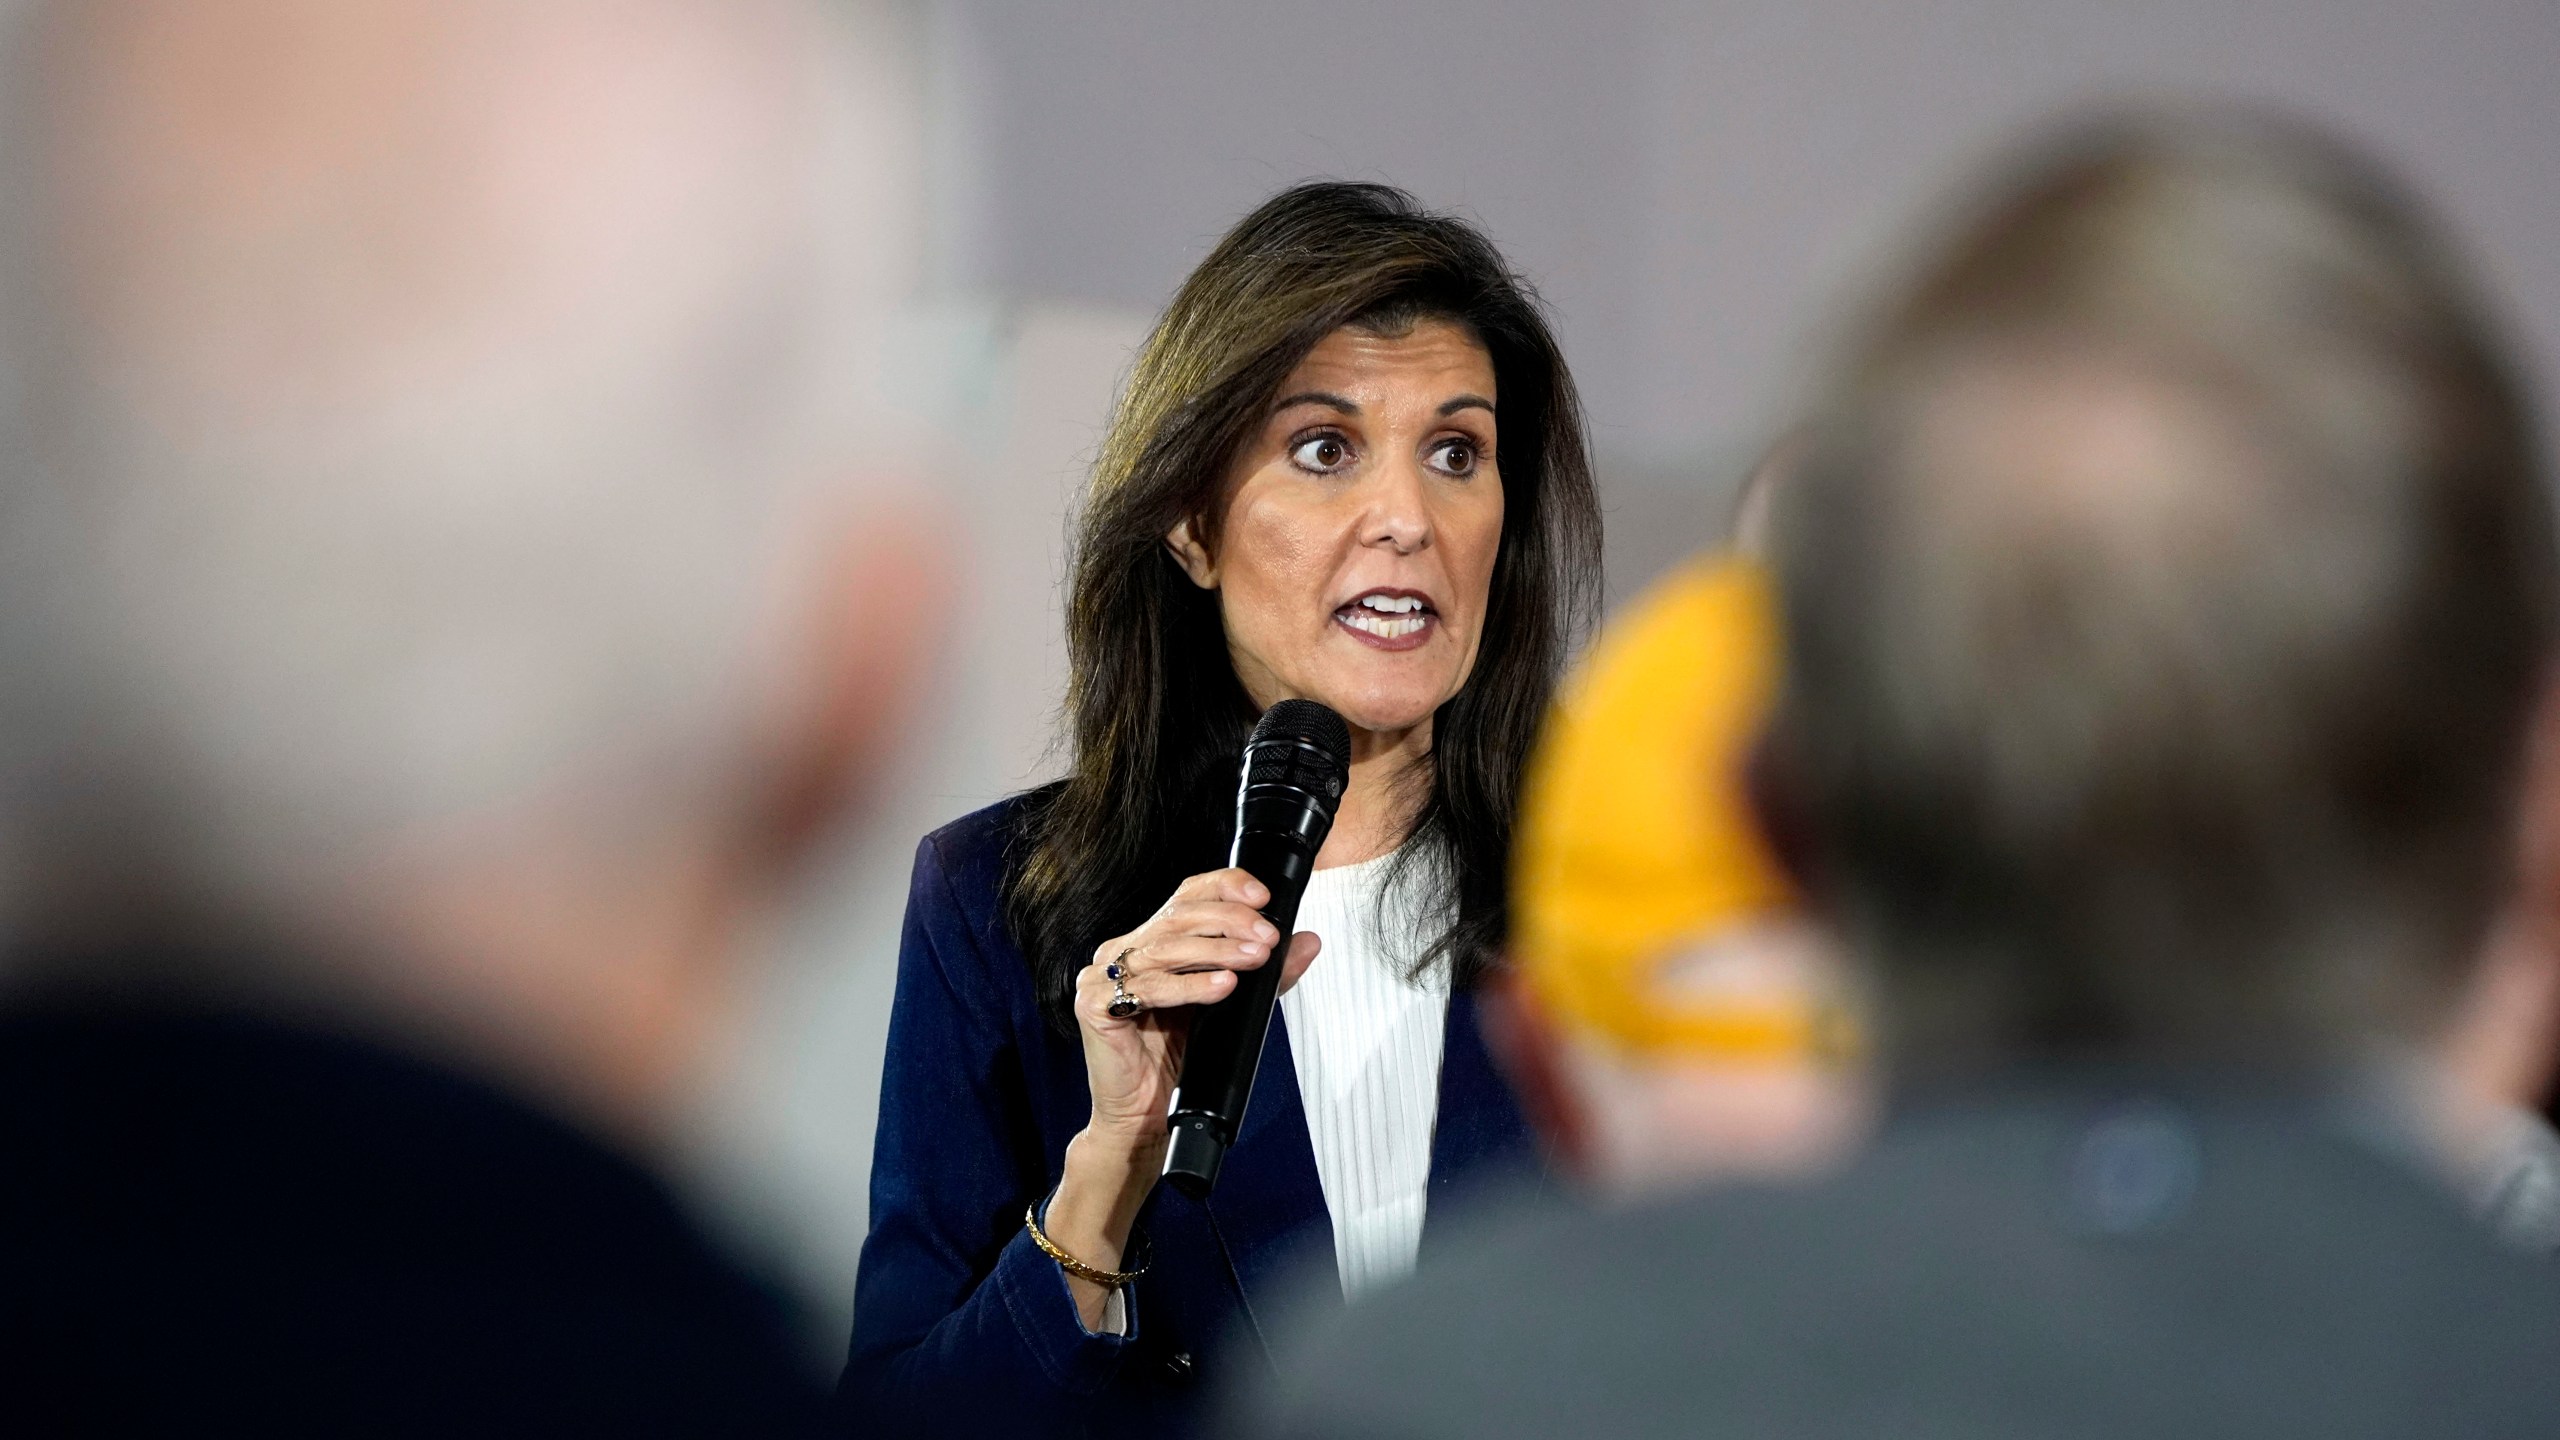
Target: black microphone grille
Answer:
[[1309, 723]]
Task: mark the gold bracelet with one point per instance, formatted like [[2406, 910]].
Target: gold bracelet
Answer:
[[1107, 1279]]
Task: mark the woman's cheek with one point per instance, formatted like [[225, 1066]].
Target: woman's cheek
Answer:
[[1273, 550], [1483, 549]]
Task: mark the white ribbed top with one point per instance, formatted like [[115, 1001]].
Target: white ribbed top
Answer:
[[1367, 1043]]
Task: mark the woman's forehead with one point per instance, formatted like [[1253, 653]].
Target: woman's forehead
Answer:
[[1438, 358]]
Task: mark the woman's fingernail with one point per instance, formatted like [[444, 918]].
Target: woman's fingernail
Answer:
[[1264, 933]]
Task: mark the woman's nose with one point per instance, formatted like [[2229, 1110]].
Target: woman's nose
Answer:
[[1399, 513]]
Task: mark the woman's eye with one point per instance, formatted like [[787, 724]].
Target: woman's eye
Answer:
[[1320, 453], [1455, 457]]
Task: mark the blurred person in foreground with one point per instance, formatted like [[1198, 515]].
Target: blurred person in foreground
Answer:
[[1671, 1014], [2168, 593], [439, 596]]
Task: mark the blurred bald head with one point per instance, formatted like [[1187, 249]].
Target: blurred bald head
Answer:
[[286, 203], [419, 407], [2169, 587]]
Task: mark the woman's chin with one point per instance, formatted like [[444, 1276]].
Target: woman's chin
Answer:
[[1382, 715], [1383, 694]]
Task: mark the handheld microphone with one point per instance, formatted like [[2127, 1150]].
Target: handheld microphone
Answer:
[[1295, 768]]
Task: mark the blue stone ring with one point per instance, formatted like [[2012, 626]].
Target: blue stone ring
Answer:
[[1123, 1004]]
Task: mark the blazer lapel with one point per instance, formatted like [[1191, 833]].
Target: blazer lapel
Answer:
[[1482, 1146], [1268, 1209]]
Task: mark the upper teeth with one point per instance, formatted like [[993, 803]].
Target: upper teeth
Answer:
[[1391, 604]]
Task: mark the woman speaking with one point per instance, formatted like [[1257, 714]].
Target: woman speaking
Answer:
[[1349, 467]]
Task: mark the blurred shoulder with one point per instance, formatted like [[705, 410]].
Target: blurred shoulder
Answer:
[[1469, 1346], [1962, 1247]]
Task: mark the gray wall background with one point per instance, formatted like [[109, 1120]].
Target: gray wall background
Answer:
[[1696, 189]]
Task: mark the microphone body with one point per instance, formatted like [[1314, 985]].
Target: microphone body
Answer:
[[1295, 769]]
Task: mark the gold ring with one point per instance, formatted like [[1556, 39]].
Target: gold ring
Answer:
[[1123, 1004]]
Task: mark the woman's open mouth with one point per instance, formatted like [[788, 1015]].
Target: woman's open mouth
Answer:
[[1389, 619]]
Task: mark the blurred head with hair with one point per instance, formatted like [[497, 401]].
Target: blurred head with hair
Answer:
[[1670, 1014], [2169, 587], [440, 533]]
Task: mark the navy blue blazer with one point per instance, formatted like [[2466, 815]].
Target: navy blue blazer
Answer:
[[961, 1326]]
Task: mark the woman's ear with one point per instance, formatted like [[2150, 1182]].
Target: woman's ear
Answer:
[[1191, 555]]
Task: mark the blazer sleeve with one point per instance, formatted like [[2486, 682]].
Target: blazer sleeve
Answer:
[[956, 1312]]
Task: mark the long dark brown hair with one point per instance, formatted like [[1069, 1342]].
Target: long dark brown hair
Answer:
[[1155, 714]]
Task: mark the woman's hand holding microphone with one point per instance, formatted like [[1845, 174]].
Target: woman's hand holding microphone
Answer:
[[1186, 954]]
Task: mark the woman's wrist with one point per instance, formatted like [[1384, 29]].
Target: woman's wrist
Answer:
[[1107, 1178]]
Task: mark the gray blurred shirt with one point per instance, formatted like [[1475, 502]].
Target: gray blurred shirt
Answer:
[[2100, 1256]]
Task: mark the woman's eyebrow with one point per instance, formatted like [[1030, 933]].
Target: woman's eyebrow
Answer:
[[1457, 403], [1316, 397]]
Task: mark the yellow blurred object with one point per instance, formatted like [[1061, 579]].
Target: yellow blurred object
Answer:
[[1639, 852]]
